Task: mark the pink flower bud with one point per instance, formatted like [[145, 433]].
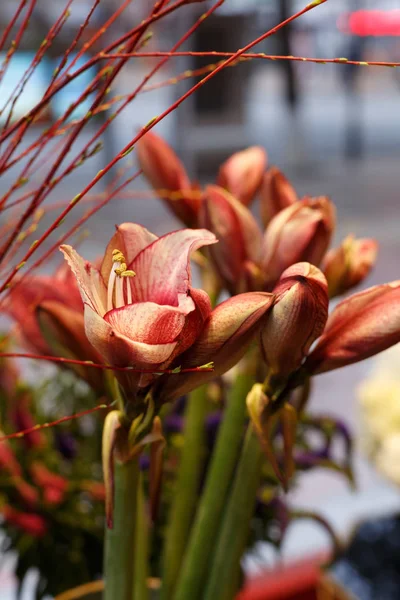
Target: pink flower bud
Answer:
[[300, 232], [168, 177], [239, 238], [242, 173], [350, 263], [359, 327], [297, 318], [276, 194]]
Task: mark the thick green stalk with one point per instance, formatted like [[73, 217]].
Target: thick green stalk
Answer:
[[140, 568], [120, 540], [236, 523], [186, 489], [199, 552]]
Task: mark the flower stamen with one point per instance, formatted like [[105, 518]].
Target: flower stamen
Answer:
[[115, 282]]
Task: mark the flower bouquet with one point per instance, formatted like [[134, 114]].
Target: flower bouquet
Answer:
[[198, 385]]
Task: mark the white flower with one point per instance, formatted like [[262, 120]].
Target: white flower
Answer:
[[379, 400], [387, 458]]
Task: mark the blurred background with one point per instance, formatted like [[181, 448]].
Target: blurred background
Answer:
[[333, 129]]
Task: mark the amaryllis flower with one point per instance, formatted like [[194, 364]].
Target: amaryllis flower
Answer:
[[241, 174], [246, 259], [168, 177], [349, 264], [31, 292], [300, 232], [142, 311], [296, 320], [238, 255], [360, 326], [48, 311], [276, 194]]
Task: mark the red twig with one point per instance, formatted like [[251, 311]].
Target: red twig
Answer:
[[15, 43], [262, 55], [36, 109], [128, 98], [74, 43], [20, 434], [88, 363], [12, 23], [54, 31]]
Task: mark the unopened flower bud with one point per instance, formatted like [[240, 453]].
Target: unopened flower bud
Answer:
[[346, 266], [360, 326], [297, 318], [242, 173], [301, 232], [167, 175], [239, 237], [276, 194]]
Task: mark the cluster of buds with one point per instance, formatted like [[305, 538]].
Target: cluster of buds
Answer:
[[355, 330], [249, 258], [291, 259]]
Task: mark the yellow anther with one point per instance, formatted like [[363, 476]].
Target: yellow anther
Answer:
[[121, 270], [118, 256], [128, 273]]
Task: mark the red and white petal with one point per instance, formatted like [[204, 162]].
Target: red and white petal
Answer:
[[194, 322], [147, 322], [119, 350], [90, 282], [163, 268], [130, 239]]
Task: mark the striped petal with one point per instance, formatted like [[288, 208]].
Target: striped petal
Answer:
[[90, 282], [119, 350], [163, 268]]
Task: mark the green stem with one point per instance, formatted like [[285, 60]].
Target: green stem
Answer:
[[140, 568], [186, 489], [212, 505], [120, 540], [235, 526]]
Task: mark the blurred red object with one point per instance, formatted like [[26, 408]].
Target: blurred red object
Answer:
[[371, 23], [300, 581]]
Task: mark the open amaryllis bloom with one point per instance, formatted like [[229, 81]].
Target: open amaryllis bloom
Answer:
[[141, 310]]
